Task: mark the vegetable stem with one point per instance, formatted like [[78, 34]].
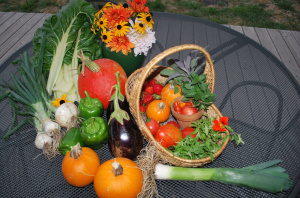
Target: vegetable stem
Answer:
[[76, 151], [118, 113], [89, 101], [117, 168], [94, 67]]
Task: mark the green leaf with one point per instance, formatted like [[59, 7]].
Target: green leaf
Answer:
[[168, 72], [176, 90], [67, 32]]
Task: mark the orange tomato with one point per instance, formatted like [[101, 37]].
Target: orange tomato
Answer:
[[158, 110], [167, 94], [80, 165], [119, 177]]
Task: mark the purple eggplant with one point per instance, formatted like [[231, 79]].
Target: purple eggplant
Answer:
[[125, 138]]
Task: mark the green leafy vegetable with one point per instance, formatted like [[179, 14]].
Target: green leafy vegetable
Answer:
[[209, 143], [189, 76], [67, 33]]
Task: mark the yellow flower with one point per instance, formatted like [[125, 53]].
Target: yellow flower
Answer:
[[102, 23], [93, 30], [106, 36], [121, 29], [146, 19], [97, 15], [57, 102], [107, 5], [139, 27]]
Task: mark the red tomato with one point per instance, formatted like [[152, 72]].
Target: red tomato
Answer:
[[187, 131], [168, 135], [188, 110], [174, 123], [99, 84], [153, 126], [177, 107]]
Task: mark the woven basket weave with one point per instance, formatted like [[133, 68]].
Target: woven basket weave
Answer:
[[133, 89]]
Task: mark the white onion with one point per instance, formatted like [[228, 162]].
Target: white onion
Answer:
[[50, 127], [66, 113], [41, 139]]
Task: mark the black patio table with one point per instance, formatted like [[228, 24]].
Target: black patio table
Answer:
[[254, 90]]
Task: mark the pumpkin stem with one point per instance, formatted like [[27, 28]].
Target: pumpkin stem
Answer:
[[87, 62], [161, 105], [117, 168], [76, 151]]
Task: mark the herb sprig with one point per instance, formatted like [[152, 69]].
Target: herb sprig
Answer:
[[189, 76]]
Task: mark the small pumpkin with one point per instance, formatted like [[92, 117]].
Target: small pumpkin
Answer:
[[168, 95], [158, 110], [118, 177], [80, 165]]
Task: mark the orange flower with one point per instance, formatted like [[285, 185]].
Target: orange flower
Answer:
[[220, 125], [121, 43], [115, 14], [138, 5]]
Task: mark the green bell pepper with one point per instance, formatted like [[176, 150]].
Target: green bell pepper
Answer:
[[71, 138], [94, 132], [90, 107]]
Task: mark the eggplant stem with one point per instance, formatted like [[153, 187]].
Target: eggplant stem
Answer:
[[118, 113]]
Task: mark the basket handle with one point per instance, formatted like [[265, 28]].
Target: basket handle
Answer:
[[168, 52]]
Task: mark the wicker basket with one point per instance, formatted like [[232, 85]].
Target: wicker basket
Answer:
[[133, 89]]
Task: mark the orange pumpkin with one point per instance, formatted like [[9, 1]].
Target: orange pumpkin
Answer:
[[80, 165], [158, 110], [167, 94], [118, 177]]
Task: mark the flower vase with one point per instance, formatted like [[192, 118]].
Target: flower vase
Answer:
[[129, 62], [185, 120]]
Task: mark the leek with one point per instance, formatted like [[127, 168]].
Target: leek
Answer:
[[28, 90], [264, 176]]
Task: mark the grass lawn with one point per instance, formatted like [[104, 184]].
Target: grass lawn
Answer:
[[277, 14]]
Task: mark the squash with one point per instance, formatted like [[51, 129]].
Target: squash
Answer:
[[118, 177], [99, 84], [167, 94], [79, 166], [158, 110]]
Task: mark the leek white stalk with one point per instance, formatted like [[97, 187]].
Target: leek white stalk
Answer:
[[264, 176]]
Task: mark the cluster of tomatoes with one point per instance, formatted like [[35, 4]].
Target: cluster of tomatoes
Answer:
[[185, 108], [155, 102]]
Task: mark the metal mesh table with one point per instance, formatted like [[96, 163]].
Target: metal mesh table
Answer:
[[254, 89]]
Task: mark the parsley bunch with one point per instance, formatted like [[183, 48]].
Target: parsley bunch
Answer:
[[209, 143]]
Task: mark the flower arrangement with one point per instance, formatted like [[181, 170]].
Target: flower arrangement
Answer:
[[125, 28]]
